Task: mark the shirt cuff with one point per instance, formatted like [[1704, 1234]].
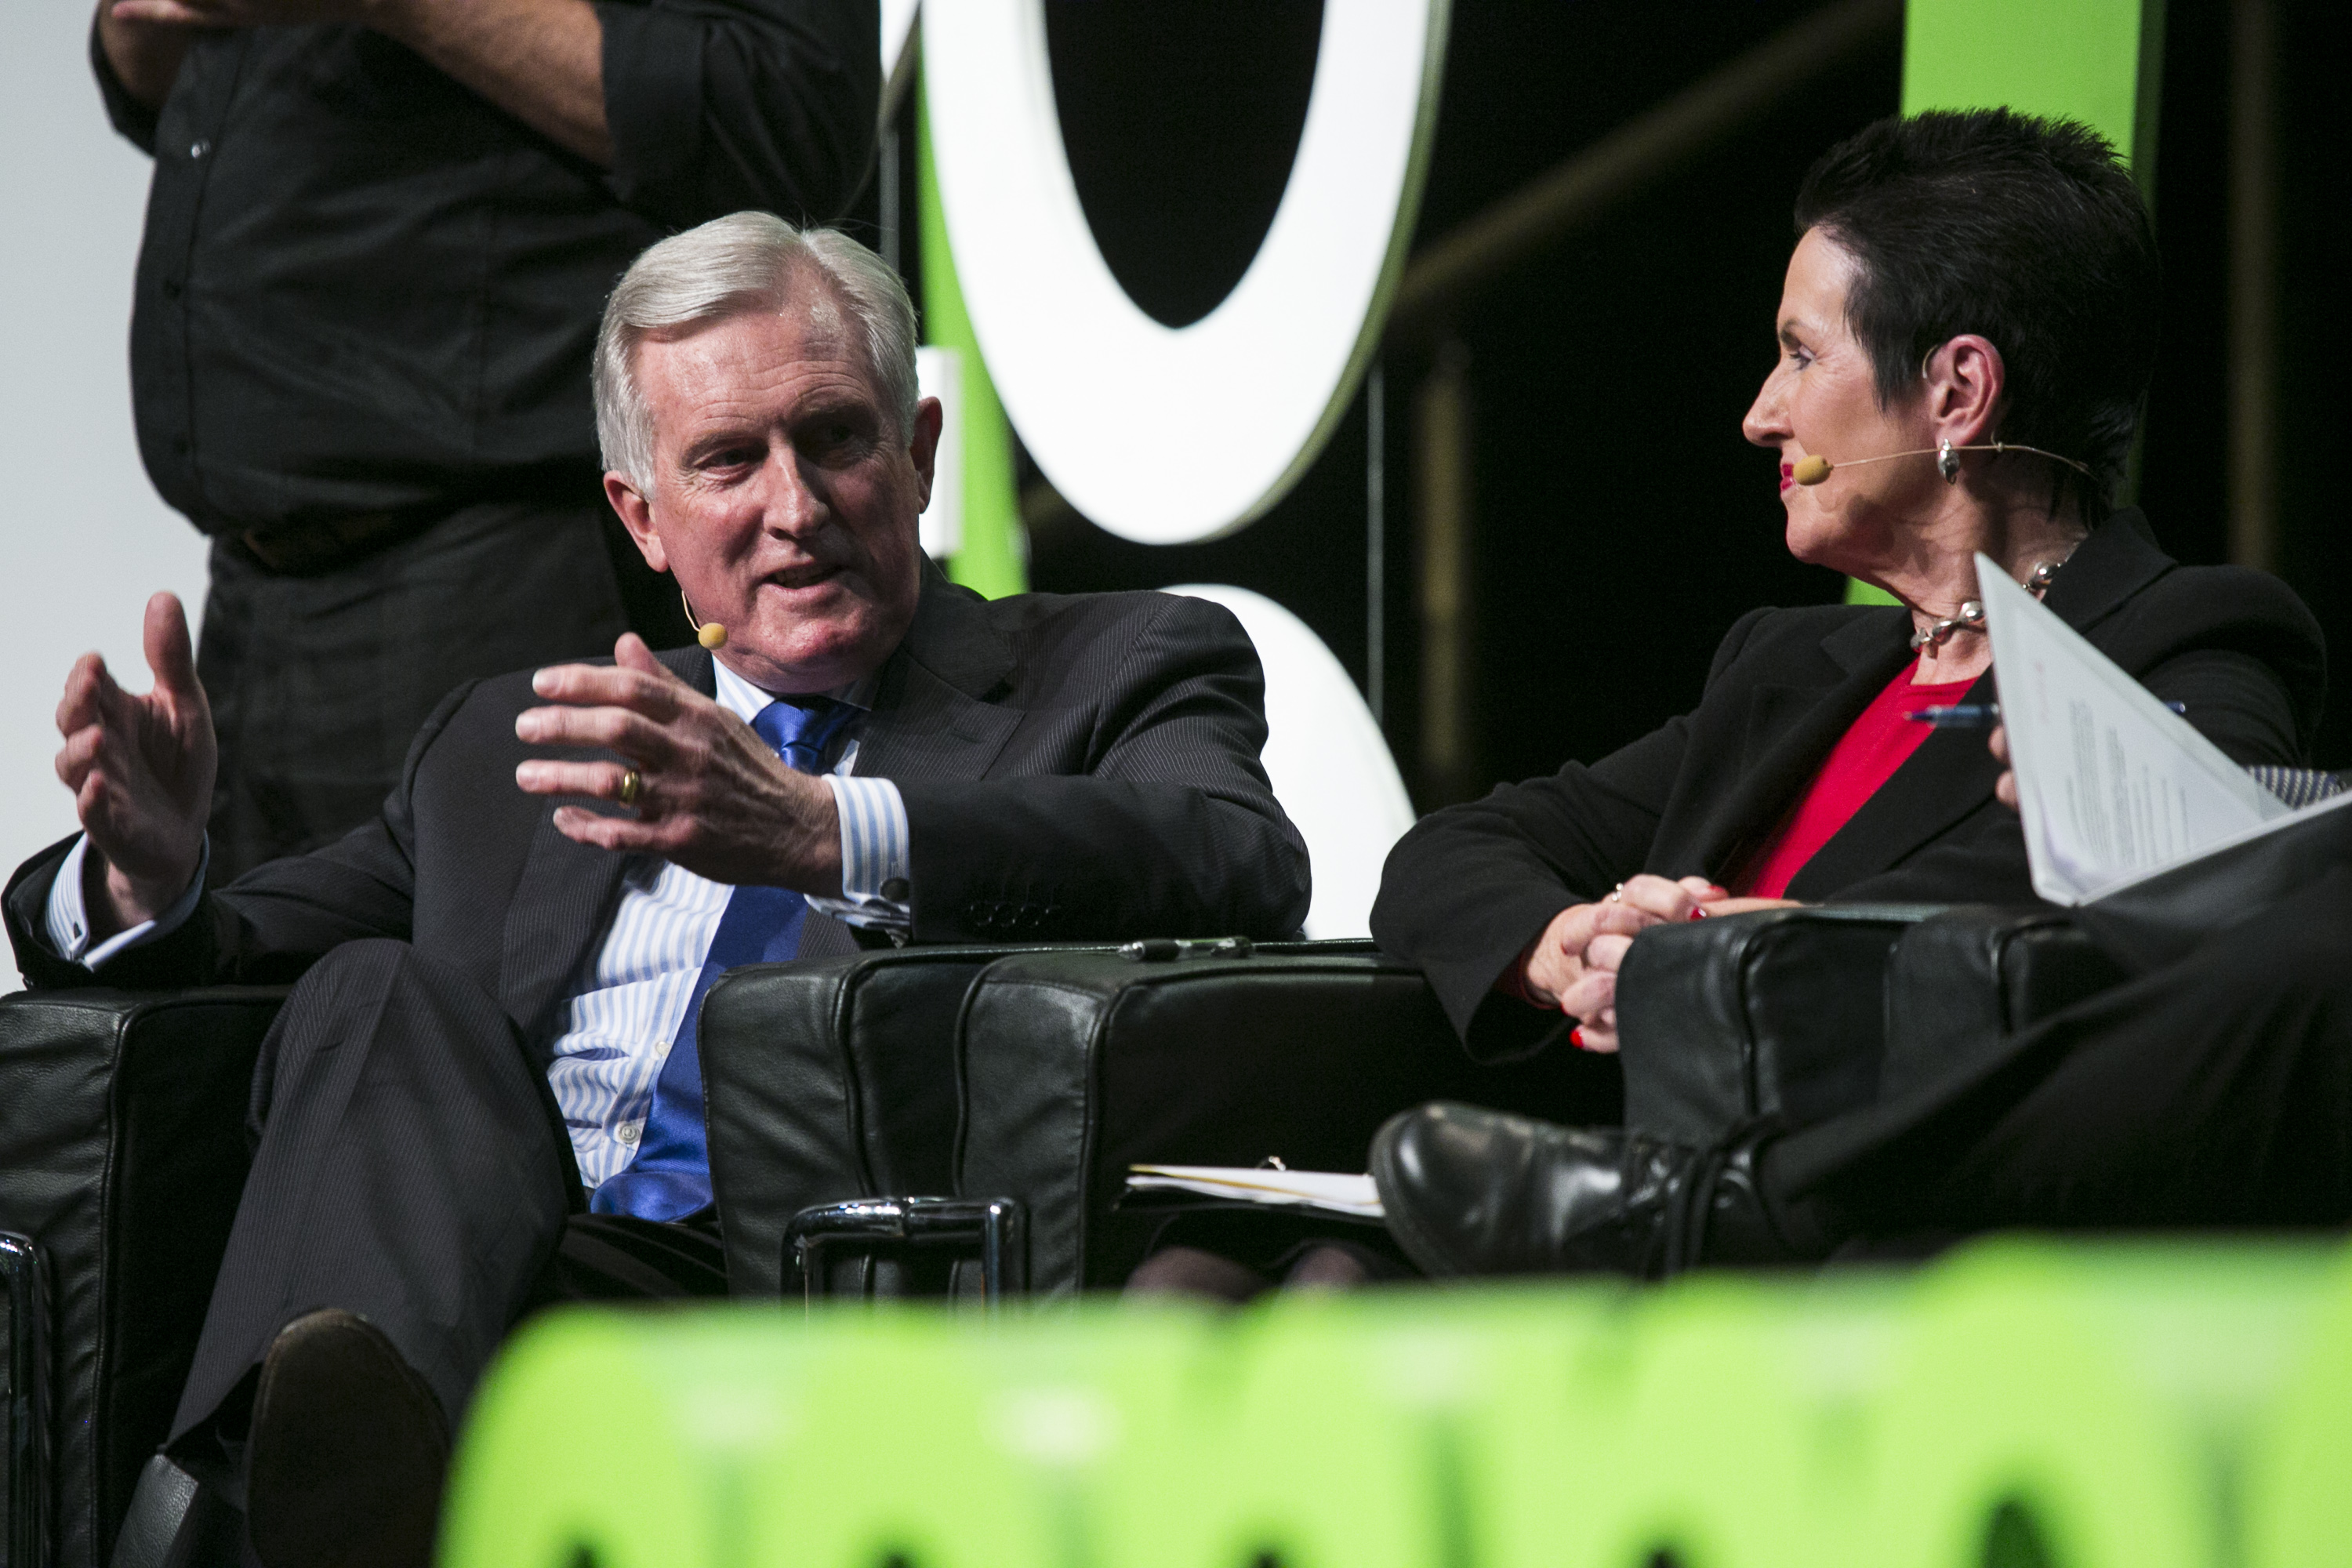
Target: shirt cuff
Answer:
[[66, 925], [875, 890]]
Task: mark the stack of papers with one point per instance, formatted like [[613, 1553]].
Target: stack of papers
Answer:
[[2114, 787], [1328, 1191]]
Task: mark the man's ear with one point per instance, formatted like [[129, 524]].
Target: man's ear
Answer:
[[923, 446], [1965, 381], [638, 516]]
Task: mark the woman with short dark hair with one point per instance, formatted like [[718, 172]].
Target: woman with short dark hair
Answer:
[[1966, 333]]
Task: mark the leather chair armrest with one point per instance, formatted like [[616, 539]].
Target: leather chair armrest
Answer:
[[1777, 1013], [122, 1155], [1978, 972], [1074, 1065], [827, 1082]]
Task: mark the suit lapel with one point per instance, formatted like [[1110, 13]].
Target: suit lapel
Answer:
[[564, 901], [929, 719], [1864, 657]]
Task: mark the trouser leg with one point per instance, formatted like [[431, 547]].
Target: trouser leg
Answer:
[[2215, 1092], [408, 1168], [319, 681]]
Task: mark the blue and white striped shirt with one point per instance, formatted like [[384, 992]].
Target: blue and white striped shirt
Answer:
[[616, 1027]]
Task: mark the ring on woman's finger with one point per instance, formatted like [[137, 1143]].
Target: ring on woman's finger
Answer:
[[1617, 894], [633, 786]]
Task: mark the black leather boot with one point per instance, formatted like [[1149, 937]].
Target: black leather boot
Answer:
[[1470, 1191], [175, 1522]]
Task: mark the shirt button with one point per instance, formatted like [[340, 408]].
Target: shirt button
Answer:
[[197, 149], [627, 1132]]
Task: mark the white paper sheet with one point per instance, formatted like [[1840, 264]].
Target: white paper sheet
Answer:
[[1352, 1195], [2113, 785]]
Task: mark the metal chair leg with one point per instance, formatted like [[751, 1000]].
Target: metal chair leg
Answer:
[[994, 1231], [27, 1451]]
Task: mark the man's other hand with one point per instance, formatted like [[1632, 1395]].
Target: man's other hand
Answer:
[[712, 795], [140, 769]]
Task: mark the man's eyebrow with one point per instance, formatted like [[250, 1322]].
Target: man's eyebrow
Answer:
[[714, 439]]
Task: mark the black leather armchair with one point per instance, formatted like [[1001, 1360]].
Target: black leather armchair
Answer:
[[828, 1082], [1799, 1014], [835, 1081], [123, 1149], [1073, 1065], [1037, 1074]]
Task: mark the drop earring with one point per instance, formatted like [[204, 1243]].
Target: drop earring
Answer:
[[1947, 462]]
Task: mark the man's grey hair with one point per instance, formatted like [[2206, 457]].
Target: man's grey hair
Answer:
[[732, 265]]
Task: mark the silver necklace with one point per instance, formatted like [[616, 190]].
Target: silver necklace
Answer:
[[1971, 615]]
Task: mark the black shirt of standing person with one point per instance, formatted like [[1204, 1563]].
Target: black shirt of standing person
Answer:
[[365, 289]]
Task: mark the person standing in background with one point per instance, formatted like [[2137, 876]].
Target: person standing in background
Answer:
[[378, 242]]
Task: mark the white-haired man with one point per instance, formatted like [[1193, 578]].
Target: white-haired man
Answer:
[[483, 1092]]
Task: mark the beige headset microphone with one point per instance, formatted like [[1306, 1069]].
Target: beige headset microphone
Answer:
[[1813, 470]]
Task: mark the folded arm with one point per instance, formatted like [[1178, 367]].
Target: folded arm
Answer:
[[696, 108]]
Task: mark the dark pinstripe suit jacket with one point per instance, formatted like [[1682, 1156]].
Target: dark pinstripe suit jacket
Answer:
[[1073, 766]]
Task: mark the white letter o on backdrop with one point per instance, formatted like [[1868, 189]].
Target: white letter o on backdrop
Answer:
[[1172, 435]]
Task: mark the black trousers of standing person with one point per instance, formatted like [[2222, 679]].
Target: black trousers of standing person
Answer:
[[409, 1166], [2213, 1089], [323, 650]]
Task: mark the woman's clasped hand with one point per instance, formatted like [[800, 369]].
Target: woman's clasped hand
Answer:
[[1574, 965]]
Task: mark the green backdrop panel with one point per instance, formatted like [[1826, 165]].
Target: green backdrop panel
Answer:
[[2080, 58]]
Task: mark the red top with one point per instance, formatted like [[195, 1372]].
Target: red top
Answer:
[[1865, 757]]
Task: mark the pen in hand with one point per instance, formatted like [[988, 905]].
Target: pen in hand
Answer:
[[1978, 715]]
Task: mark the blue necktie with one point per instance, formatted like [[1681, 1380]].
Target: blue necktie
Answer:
[[670, 1177]]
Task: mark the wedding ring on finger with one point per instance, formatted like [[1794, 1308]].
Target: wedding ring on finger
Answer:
[[1617, 894], [633, 786]]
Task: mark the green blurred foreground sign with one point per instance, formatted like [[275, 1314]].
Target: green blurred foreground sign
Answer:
[[2023, 1403]]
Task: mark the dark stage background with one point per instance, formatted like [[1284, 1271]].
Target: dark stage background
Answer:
[[1616, 523]]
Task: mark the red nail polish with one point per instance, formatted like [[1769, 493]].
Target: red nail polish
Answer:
[[1698, 914], [1576, 1036]]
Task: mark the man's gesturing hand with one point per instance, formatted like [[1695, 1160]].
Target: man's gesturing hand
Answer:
[[712, 796], [140, 769]]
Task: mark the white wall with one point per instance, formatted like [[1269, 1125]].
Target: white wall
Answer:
[[87, 539]]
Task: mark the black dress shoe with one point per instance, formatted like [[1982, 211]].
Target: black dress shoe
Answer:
[[347, 1450], [1470, 1191]]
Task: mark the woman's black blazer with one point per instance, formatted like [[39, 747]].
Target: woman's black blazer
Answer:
[[1470, 886]]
